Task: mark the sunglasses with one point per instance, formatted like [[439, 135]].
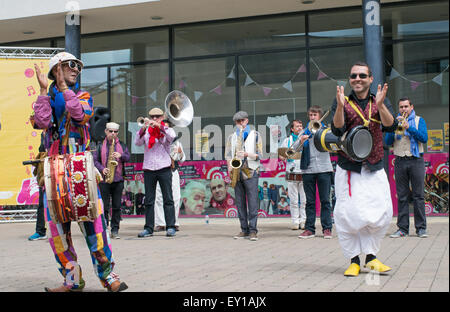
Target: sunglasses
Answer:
[[362, 76], [155, 116], [113, 131], [73, 64]]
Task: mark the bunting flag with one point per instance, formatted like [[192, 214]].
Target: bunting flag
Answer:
[[302, 69], [438, 79], [414, 85], [394, 74], [134, 99], [217, 90], [267, 91], [248, 81], [231, 74], [288, 86], [182, 84], [197, 95], [153, 96], [321, 75]]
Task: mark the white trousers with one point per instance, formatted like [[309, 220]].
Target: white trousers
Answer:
[[363, 218], [159, 210], [298, 214]]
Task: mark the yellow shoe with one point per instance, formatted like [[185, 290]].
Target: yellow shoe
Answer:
[[376, 265], [353, 270]]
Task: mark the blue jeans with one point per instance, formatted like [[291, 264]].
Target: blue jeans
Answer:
[[323, 181]]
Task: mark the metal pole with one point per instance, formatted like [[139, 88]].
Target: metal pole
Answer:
[[73, 34], [373, 50], [373, 41]]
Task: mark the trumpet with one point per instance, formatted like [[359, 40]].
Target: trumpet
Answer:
[[313, 127], [400, 129], [141, 121]]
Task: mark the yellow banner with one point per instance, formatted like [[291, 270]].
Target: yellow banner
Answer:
[[19, 90], [435, 140]]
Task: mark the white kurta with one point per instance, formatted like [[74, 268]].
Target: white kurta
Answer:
[[363, 218]]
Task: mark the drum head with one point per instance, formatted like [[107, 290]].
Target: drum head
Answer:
[[360, 145]]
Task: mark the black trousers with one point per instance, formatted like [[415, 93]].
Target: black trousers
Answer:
[[410, 170], [112, 193], [164, 177]]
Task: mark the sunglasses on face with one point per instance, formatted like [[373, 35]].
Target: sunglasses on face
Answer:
[[362, 76], [113, 131], [155, 116], [73, 65]]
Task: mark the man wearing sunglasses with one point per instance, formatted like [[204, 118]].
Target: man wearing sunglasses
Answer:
[[112, 191], [363, 210], [157, 137], [63, 113]]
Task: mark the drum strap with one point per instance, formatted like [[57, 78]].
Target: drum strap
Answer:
[[358, 111], [349, 184]]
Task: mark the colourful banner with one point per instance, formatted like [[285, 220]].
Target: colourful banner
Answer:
[[436, 184], [18, 140], [446, 133]]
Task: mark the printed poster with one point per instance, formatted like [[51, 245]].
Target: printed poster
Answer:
[[19, 141], [435, 141]]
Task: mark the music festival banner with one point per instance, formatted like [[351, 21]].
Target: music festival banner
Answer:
[[18, 140]]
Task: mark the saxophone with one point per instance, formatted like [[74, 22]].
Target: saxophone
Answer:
[[236, 163], [112, 164]]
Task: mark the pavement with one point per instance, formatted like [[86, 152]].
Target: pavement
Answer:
[[205, 258]]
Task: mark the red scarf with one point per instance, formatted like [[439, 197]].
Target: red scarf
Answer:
[[155, 133]]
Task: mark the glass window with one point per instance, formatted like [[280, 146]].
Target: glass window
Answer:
[[335, 27], [210, 85], [412, 21], [228, 37], [134, 91], [273, 92], [94, 81], [328, 72], [419, 70], [125, 47]]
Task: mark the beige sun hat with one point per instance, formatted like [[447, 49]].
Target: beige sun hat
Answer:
[[61, 56]]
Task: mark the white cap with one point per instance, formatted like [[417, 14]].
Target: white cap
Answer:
[[112, 126], [61, 56]]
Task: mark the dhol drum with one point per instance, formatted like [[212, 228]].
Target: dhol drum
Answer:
[[71, 187], [356, 143]]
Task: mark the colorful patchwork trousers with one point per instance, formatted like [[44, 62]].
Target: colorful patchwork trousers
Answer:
[[98, 242]]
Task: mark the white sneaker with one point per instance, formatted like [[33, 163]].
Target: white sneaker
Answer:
[[302, 225], [295, 226]]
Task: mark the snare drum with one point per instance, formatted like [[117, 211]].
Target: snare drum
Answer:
[[356, 143]]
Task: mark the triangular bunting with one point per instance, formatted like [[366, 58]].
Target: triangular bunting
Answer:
[[302, 69], [231, 74], [217, 90], [288, 86], [267, 91], [134, 99], [248, 81], [414, 85], [182, 84], [438, 79], [394, 74], [321, 75], [153, 96], [197, 95]]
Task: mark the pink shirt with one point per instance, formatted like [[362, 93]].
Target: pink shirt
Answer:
[[158, 157]]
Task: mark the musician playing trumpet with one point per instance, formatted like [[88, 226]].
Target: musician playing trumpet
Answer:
[[156, 137], [111, 150], [245, 144], [409, 168]]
